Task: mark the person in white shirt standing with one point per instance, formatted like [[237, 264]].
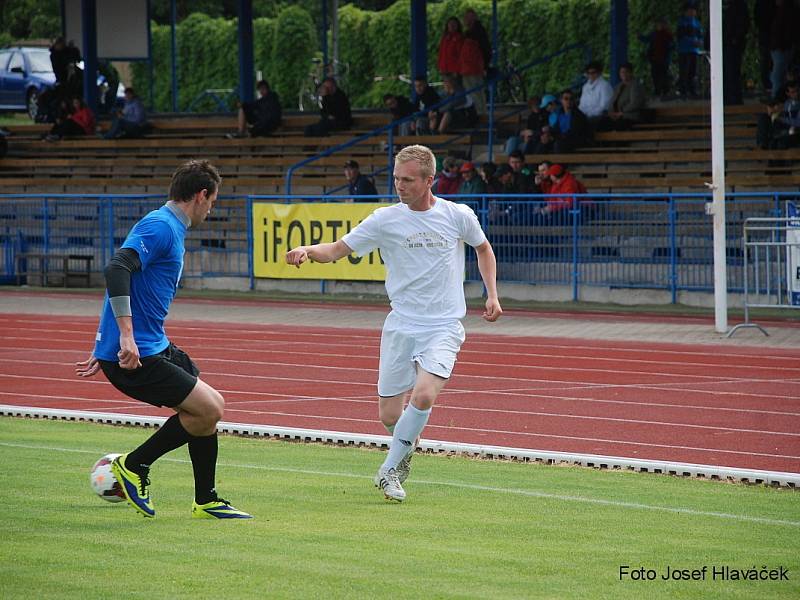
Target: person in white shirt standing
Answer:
[[421, 240], [596, 93]]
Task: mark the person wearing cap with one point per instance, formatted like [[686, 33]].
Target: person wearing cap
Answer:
[[471, 183], [550, 105], [596, 92], [449, 180], [563, 183], [358, 184]]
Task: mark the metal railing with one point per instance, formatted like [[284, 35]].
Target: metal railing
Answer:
[[490, 84], [655, 241], [771, 264]]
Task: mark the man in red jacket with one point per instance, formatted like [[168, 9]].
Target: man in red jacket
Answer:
[[561, 200]]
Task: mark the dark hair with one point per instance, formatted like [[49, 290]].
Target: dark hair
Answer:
[[388, 97], [193, 177], [594, 66], [130, 90], [517, 154], [421, 78], [447, 23], [489, 168], [262, 83], [627, 65]]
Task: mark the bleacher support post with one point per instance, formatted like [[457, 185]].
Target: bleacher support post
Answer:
[[246, 69], [619, 37], [419, 40], [89, 25]]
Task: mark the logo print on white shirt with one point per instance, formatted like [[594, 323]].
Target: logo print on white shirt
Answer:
[[426, 239]]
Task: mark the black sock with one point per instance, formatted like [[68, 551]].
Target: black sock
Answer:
[[170, 435], [203, 452]]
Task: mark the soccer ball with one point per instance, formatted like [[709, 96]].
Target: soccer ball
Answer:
[[103, 481]]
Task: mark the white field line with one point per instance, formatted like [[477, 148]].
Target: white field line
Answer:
[[531, 493]]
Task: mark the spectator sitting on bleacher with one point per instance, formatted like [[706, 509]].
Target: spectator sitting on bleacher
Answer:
[[544, 144], [542, 177], [426, 97], [536, 119], [357, 183], [563, 184], [335, 112], [627, 104], [400, 107], [596, 93], [78, 121], [779, 128], [448, 181], [471, 183], [264, 114], [522, 179], [488, 173], [457, 114], [572, 128], [131, 121]]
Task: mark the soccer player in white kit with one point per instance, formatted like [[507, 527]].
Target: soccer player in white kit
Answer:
[[421, 240]]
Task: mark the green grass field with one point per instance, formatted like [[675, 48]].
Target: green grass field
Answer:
[[469, 529]]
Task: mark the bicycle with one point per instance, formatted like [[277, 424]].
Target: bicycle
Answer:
[[308, 97], [512, 86]]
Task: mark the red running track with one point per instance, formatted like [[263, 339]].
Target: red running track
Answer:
[[731, 407]]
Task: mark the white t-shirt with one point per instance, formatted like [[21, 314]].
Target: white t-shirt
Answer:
[[424, 256]]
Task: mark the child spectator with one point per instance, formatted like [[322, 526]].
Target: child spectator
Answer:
[[690, 44], [659, 53]]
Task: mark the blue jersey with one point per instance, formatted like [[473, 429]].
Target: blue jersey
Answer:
[[158, 239]]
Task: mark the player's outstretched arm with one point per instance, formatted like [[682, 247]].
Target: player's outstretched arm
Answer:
[[487, 265], [322, 253]]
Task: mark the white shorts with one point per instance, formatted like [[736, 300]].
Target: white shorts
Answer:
[[405, 345]]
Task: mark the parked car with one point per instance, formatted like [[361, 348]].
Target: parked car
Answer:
[[26, 72]]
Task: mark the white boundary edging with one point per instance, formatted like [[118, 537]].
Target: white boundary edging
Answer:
[[791, 480]]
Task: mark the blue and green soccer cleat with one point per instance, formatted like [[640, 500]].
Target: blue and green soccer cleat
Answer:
[[135, 487], [217, 509]]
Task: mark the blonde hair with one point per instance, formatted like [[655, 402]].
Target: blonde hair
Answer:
[[422, 155]]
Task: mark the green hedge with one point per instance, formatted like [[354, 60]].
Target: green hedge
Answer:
[[376, 44]]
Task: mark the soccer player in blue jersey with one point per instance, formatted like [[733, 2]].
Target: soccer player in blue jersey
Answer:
[[132, 349]]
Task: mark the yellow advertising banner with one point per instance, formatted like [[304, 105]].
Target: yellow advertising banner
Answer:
[[277, 228]]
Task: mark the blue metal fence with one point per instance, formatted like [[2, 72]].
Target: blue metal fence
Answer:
[[657, 241]]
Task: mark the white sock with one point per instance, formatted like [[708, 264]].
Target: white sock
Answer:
[[406, 432]]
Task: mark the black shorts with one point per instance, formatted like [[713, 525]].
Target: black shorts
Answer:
[[164, 379]]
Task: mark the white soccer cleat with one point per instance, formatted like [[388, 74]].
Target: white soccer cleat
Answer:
[[388, 481], [404, 467]]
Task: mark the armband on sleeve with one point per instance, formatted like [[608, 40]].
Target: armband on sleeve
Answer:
[[118, 280]]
